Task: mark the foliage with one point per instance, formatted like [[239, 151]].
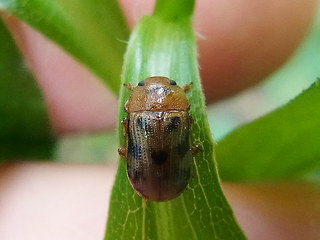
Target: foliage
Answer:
[[280, 145], [284, 144], [24, 125]]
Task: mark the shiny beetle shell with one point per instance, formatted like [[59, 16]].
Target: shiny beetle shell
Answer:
[[157, 139]]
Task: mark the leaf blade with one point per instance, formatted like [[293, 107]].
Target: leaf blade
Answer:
[[24, 127], [162, 47], [91, 31], [281, 145]]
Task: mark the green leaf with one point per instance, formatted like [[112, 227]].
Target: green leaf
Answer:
[[281, 145], [24, 125], [164, 46], [92, 31]]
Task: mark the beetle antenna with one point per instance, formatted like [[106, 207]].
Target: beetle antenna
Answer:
[[128, 86]]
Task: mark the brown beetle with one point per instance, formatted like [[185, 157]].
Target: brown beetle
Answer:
[[157, 139]]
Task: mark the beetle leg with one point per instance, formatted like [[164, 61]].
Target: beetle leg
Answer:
[[129, 86], [122, 152], [124, 124], [195, 148]]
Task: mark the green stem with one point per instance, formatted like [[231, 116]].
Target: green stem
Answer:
[[173, 10]]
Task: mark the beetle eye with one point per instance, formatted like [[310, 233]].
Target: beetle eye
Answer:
[[173, 82], [141, 83]]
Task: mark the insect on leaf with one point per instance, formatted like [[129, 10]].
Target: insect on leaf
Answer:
[[163, 45]]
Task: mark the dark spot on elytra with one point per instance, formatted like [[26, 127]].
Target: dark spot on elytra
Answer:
[[140, 122], [134, 149], [144, 124], [174, 124], [159, 157]]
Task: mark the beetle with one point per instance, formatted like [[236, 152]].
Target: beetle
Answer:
[[157, 138]]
